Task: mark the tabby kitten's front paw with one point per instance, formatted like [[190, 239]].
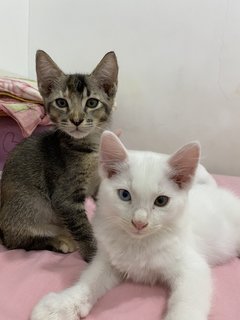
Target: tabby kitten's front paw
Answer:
[[62, 306], [64, 244]]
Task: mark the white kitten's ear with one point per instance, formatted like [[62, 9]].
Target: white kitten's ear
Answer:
[[47, 71], [183, 164], [112, 154], [106, 73]]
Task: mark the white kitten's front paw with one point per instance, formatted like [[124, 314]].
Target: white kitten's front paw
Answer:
[[53, 306], [184, 316], [62, 306]]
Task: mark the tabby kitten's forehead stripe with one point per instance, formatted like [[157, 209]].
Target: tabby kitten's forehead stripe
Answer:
[[76, 82]]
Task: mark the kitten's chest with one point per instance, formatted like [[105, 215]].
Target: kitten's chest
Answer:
[[142, 261], [134, 264], [81, 170]]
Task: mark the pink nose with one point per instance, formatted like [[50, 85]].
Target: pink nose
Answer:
[[139, 225]]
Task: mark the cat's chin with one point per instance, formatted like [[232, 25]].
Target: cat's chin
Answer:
[[77, 134], [138, 234]]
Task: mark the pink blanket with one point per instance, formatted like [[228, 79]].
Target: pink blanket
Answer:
[[21, 100], [26, 276]]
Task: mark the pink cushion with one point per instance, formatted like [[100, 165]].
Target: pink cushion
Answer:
[[27, 276]]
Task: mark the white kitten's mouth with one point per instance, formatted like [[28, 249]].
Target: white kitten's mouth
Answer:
[[136, 232], [144, 232], [129, 228]]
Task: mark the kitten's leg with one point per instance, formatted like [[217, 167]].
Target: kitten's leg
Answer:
[[39, 241], [191, 290], [64, 243], [77, 301], [27, 221], [74, 217]]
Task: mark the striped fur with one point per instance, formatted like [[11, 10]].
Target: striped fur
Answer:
[[47, 177]]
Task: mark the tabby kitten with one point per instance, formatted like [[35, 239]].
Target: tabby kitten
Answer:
[[48, 177]]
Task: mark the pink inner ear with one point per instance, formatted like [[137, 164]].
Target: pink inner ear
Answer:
[[184, 163], [112, 152]]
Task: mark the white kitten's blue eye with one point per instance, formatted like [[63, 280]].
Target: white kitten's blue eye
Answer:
[[124, 195], [161, 201]]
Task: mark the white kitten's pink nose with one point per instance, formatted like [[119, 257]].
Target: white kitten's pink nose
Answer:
[[139, 225]]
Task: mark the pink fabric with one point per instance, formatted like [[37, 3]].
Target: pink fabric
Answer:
[[21, 100], [27, 276], [20, 88]]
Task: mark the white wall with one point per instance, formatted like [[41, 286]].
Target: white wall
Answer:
[[14, 36], [179, 67]]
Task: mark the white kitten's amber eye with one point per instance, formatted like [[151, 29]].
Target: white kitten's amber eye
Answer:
[[92, 103], [61, 103], [124, 195], [161, 201]]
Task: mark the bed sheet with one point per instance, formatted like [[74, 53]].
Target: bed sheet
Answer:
[[25, 277]]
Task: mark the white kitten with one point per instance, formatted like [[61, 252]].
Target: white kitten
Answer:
[[153, 224]]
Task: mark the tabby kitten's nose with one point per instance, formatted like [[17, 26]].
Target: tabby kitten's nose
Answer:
[[76, 123]]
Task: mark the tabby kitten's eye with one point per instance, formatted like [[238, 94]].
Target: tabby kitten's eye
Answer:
[[124, 195], [61, 103], [161, 201], [92, 103]]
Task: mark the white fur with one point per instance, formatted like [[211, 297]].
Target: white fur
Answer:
[[197, 228]]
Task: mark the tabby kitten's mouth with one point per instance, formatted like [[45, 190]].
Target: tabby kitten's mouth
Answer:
[[76, 132]]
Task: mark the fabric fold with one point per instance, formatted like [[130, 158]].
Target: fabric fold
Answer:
[[21, 100]]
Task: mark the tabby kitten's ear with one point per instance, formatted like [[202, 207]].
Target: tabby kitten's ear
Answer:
[[183, 164], [48, 73], [106, 73], [112, 154]]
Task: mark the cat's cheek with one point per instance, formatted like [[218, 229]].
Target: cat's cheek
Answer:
[[157, 218]]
